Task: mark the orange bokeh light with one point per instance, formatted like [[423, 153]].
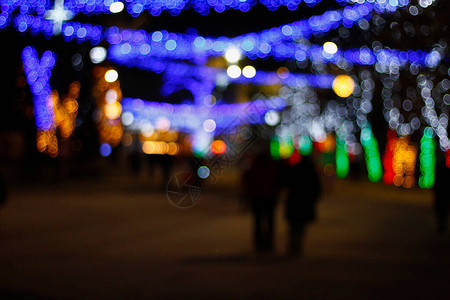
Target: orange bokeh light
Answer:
[[218, 147], [343, 86]]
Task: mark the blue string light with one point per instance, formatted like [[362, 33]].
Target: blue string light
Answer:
[[179, 69], [38, 75], [186, 49], [197, 48], [360, 56], [276, 42], [190, 117], [301, 29], [175, 7], [162, 52], [155, 7]]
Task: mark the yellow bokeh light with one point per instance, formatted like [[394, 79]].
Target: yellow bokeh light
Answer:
[[113, 111], [249, 72], [343, 86], [164, 148], [148, 147], [47, 142], [404, 162], [160, 148], [173, 149], [108, 95]]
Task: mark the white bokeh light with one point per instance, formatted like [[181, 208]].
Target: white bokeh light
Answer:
[[116, 7], [98, 55], [234, 71], [330, 48], [127, 118], [111, 96], [209, 125], [249, 72], [111, 76], [233, 55], [272, 118], [147, 129], [163, 124]]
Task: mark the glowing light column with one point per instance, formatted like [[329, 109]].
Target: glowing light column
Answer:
[[427, 159], [109, 95], [38, 75], [372, 155], [342, 162], [389, 174], [404, 162]]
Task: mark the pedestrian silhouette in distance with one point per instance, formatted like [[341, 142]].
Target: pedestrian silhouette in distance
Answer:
[[303, 189], [260, 188], [442, 197]]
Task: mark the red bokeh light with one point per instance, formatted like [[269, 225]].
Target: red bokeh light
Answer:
[[447, 158], [218, 147]]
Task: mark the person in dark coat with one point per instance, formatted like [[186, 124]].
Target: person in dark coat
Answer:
[[442, 197], [303, 190], [261, 186]]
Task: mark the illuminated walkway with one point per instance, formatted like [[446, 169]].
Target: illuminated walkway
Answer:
[[120, 240]]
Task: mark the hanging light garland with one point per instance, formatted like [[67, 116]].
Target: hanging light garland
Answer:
[[181, 57], [180, 116], [175, 7]]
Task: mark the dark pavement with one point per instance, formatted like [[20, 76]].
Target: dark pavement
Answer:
[[117, 239]]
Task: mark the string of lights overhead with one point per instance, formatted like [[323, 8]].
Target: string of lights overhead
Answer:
[[296, 113], [174, 7]]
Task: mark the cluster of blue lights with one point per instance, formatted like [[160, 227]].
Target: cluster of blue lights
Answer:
[[275, 42], [190, 117], [71, 30], [203, 7], [159, 51], [182, 61], [180, 69], [38, 75], [191, 46], [175, 7], [151, 51], [154, 7], [183, 50]]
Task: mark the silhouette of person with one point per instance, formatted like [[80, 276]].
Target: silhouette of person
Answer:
[[303, 189], [261, 187], [442, 197]]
